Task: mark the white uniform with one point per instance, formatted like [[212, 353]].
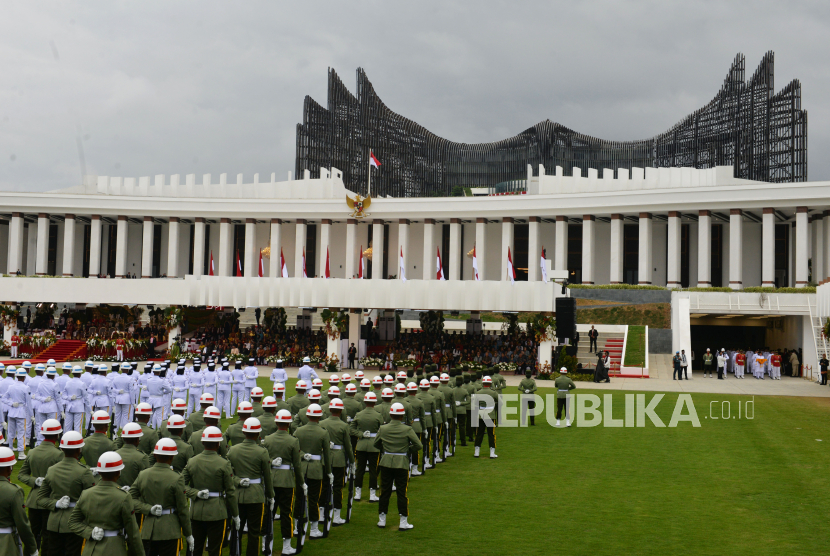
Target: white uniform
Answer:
[[224, 391], [251, 374], [279, 375], [196, 384], [157, 389], [122, 396], [307, 374], [47, 396], [238, 388], [75, 400], [18, 399], [210, 382]]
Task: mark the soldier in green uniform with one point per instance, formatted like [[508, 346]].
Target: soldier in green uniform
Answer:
[[429, 405], [351, 407], [268, 417], [499, 383], [316, 454], [563, 385], [461, 397], [252, 477], [342, 454], [708, 360], [179, 407], [298, 400], [212, 415], [256, 401], [159, 497], [279, 395], [208, 478], [395, 440], [301, 417], [143, 412], [365, 427], [469, 385], [365, 386], [418, 420], [527, 387], [184, 451], [234, 433], [450, 409], [12, 510], [197, 418], [403, 399], [334, 394], [97, 443], [386, 403], [33, 472], [439, 417], [134, 460], [486, 403], [104, 514], [61, 489], [286, 476]]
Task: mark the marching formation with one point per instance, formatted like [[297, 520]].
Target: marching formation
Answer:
[[126, 462]]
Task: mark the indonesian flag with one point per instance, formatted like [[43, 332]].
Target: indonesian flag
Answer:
[[360, 265], [373, 161], [439, 274], [475, 265], [304, 273], [511, 272], [283, 268], [402, 266], [238, 264], [328, 273], [260, 264], [210, 268], [544, 267]]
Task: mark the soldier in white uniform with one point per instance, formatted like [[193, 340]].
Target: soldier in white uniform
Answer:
[[75, 401], [18, 399], [306, 373], [47, 396], [251, 374], [157, 389], [121, 393], [195, 385], [223, 389]]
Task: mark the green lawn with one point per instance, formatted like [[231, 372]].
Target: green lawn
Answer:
[[733, 486], [635, 349]]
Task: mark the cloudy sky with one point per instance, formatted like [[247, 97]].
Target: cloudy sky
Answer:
[[176, 87]]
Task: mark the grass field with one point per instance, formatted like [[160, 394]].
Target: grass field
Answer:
[[753, 487]]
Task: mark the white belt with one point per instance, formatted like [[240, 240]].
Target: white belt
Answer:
[[284, 467], [111, 533], [214, 494], [396, 454], [168, 512], [5, 530], [254, 481], [372, 434], [565, 390], [427, 412], [337, 447], [71, 505], [315, 457], [446, 404], [416, 419]]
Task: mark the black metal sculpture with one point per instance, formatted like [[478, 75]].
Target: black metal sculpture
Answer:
[[762, 134]]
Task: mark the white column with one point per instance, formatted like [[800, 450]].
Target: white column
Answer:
[[826, 243], [224, 258], [768, 248], [481, 247], [377, 249], [121, 247], [818, 248], [616, 249], [403, 246], [325, 241], [251, 257], [534, 250], [507, 234], [274, 269], [147, 248], [16, 243], [299, 246], [736, 249], [673, 270], [704, 249], [355, 320], [560, 257], [31, 249], [173, 248], [588, 221], [42, 244], [644, 255], [199, 246], [94, 246], [456, 248], [428, 264], [351, 254], [68, 244], [801, 250]]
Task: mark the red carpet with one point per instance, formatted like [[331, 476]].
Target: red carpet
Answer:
[[60, 351]]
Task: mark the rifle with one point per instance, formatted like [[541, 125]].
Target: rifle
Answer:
[[268, 537], [327, 513], [234, 542], [112, 424], [351, 476], [302, 523]]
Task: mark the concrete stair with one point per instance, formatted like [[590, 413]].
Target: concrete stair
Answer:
[[611, 342]]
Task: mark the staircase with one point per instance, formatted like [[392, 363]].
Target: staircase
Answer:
[[819, 341], [60, 351], [606, 341]]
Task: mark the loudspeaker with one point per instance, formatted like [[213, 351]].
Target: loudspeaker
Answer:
[[565, 318]]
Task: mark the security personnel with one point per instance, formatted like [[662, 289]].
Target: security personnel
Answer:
[[12, 517], [527, 388], [157, 389], [104, 514], [212, 415], [286, 476], [334, 394], [708, 360], [252, 477], [301, 417], [365, 427], [462, 406], [418, 420], [499, 383], [317, 384], [351, 405], [234, 433], [486, 400], [395, 441], [315, 445], [61, 489], [256, 400], [439, 417], [208, 479], [159, 496], [184, 451], [268, 417], [97, 443], [402, 398], [298, 400], [33, 472], [342, 454], [143, 412], [178, 407], [450, 409], [365, 386], [134, 460], [563, 385], [197, 418]]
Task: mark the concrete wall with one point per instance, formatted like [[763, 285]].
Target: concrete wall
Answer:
[[659, 340]]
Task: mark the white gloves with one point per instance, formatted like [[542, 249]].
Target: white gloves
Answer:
[[348, 419], [354, 469], [307, 457], [143, 386], [15, 404], [305, 489], [63, 415], [35, 553], [126, 488], [245, 483], [276, 462], [237, 523], [39, 481], [527, 391], [63, 503], [457, 403], [331, 445], [47, 399], [271, 504], [97, 392], [121, 391], [331, 478], [156, 510], [191, 543], [367, 434], [203, 494], [97, 533], [73, 397], [94, 471]]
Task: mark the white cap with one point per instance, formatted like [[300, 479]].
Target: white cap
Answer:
[[166, 446], [306, 359], [51, 363], [279, 387], [563, 370], [370, 397], [256, 391], [179, 403], [143, 409], [245, 407], [251, 424], [207, 397], [313, 394], [212, 412], [51, 371], [269, 401], [387, 393], [109, 462]]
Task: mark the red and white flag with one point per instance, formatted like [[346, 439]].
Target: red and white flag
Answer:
[[304, 272], [402, 266], [544, 267], [511, 272], [439, 274], [360, 265], [328, 272], [238, 264], [373, 161], [283, 268], [475, 265], [210, 268], [260, 264]]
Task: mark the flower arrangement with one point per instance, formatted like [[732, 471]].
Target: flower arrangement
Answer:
[[542, 327], [172, 317], [406, 363], [272, 359], [371, 362], [332, 363], [505, 367], [8, 315], [334, 323], [544, 370], [472, 365]]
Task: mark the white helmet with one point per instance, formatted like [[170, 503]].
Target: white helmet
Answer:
[[71, 440], [176, 422], [283, 416], [132, 430], [397, 409], [100, 417], [51, 426], [7, 458], [251, 424], [166, 447], [109, 462], [211, 434]]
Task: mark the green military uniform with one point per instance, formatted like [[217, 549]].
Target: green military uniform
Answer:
[[342, 454], [314, 440], [282, 404], [351, 405], [527, 387], [395, 441], [135, 461], [285, 477], [708, 360], [486, 397], [251, 461], [449, 411], [196, 420], [148, 440], [268, 423], [470, 386], [111, 509], [407, 408], [366, 420], [359, 397], [499, 383], [563, 386], [13, 515], [383, 408], [38, 462], [428, 435], [257, 408], [300, 419], [461, 397], [94, 445], [234, 435], [209, 471], [185, 452], [164, 432], [297, 402], [196, 443], [69, 478], [327, 413], [160, 485]]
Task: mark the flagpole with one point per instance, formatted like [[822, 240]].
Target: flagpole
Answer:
[[369, 187]]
